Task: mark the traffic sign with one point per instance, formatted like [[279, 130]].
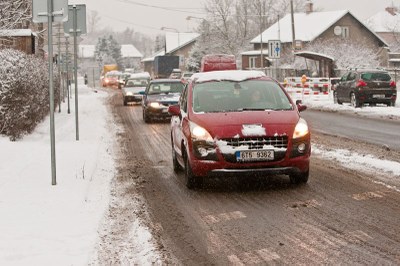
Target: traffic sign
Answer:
[[80, 20], [274, 49], [39, 11]]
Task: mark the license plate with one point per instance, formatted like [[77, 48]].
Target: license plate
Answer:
[[248, 156], [165, 110], [378, 96]]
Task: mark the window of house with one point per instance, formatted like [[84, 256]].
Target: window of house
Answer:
[[252, 62], [345, 32]]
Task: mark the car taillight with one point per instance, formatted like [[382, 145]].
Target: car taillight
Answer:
[[361, 83], [393, 84]]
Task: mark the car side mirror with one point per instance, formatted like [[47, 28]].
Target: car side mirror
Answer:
[[300, 106], [174, 110]]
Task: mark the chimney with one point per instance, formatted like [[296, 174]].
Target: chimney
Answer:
[[391, 10], [309, 7]]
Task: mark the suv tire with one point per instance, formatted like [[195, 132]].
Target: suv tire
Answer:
[[299, 178], [354, 100], [177, 167], [335, 98], [191, 180], [146, 118]]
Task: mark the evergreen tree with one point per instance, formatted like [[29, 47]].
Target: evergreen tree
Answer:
[[108, 51]]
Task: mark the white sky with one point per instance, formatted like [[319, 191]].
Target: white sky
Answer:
[[41, 224], [119, 14]]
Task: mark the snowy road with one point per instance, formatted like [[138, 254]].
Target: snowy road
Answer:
[[378, 131], [340, 216]]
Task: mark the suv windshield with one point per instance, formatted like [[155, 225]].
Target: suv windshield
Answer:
[[158, 88], [230, 96], [378, 76], [136, 83]]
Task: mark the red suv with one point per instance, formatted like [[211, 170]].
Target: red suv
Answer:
[[238, 122]]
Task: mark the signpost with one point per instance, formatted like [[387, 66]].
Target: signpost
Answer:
[[274, 49], [76, 25], [47, 11]]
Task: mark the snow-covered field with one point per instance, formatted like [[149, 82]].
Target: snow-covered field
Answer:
[[42, 224]]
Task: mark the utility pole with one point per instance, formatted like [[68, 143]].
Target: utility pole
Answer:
[[293, 32]]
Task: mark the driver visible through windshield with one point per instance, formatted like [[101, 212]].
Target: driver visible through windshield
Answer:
[[231, 96]]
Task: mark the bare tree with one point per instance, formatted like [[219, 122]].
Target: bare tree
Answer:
[[15, 14]]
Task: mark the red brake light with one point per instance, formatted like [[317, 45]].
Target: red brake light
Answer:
[[393, 84], [361, 83]]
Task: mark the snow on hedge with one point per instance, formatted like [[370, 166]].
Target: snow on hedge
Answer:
[[24, 92]]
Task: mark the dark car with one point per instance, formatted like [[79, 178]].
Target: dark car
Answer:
[[238, 123], [359, 87], [134, 89], [159, 95]]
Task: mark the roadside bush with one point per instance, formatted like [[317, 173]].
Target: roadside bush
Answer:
[[24, 92]]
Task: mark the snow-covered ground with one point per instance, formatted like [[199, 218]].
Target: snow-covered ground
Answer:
[[41, 224]]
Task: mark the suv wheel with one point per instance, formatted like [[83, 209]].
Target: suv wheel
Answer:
[[335, 98], [146, 118], [354, 101], [191, 180], [125, 102], [392, 103], [299, 178], [177, 167]]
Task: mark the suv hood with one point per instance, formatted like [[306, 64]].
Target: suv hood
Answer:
[[248, 123], [164, 98]]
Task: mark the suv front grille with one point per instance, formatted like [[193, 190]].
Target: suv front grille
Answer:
[[257, 143]]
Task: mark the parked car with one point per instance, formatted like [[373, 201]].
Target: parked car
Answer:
[[217, 128], [365, 86], [159, 95], [134, 89]]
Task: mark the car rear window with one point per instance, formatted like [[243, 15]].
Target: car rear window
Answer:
[[231, 96], [158, 88], [371, 76]]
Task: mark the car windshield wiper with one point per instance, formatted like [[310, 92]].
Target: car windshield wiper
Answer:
[[251, 109]]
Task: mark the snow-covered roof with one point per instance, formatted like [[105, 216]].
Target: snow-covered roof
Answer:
[[176, 40], [151, 59], [17, 33], [127, 50], [307, 26], [231, 75], [302, 53], [384, 22]]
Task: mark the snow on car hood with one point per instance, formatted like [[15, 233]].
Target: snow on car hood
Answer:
[[134, 89], [248, 123], [170, 97]]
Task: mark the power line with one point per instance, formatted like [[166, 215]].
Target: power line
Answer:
[[175, 9]]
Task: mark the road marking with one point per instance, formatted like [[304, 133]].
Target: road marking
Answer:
[[308, 203], [268, 255], [254, 257], [214, 244], [367, 195], [234, 260], [223, 217], [359, 235]]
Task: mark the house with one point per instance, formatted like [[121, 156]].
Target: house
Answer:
[[386, 24], [176, 43], [332, 26], [24, 40]]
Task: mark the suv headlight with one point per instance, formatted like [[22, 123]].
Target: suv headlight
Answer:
[[155, 105], [203, 143], [301, 129]]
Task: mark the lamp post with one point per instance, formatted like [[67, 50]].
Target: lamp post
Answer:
[[166, 29]]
